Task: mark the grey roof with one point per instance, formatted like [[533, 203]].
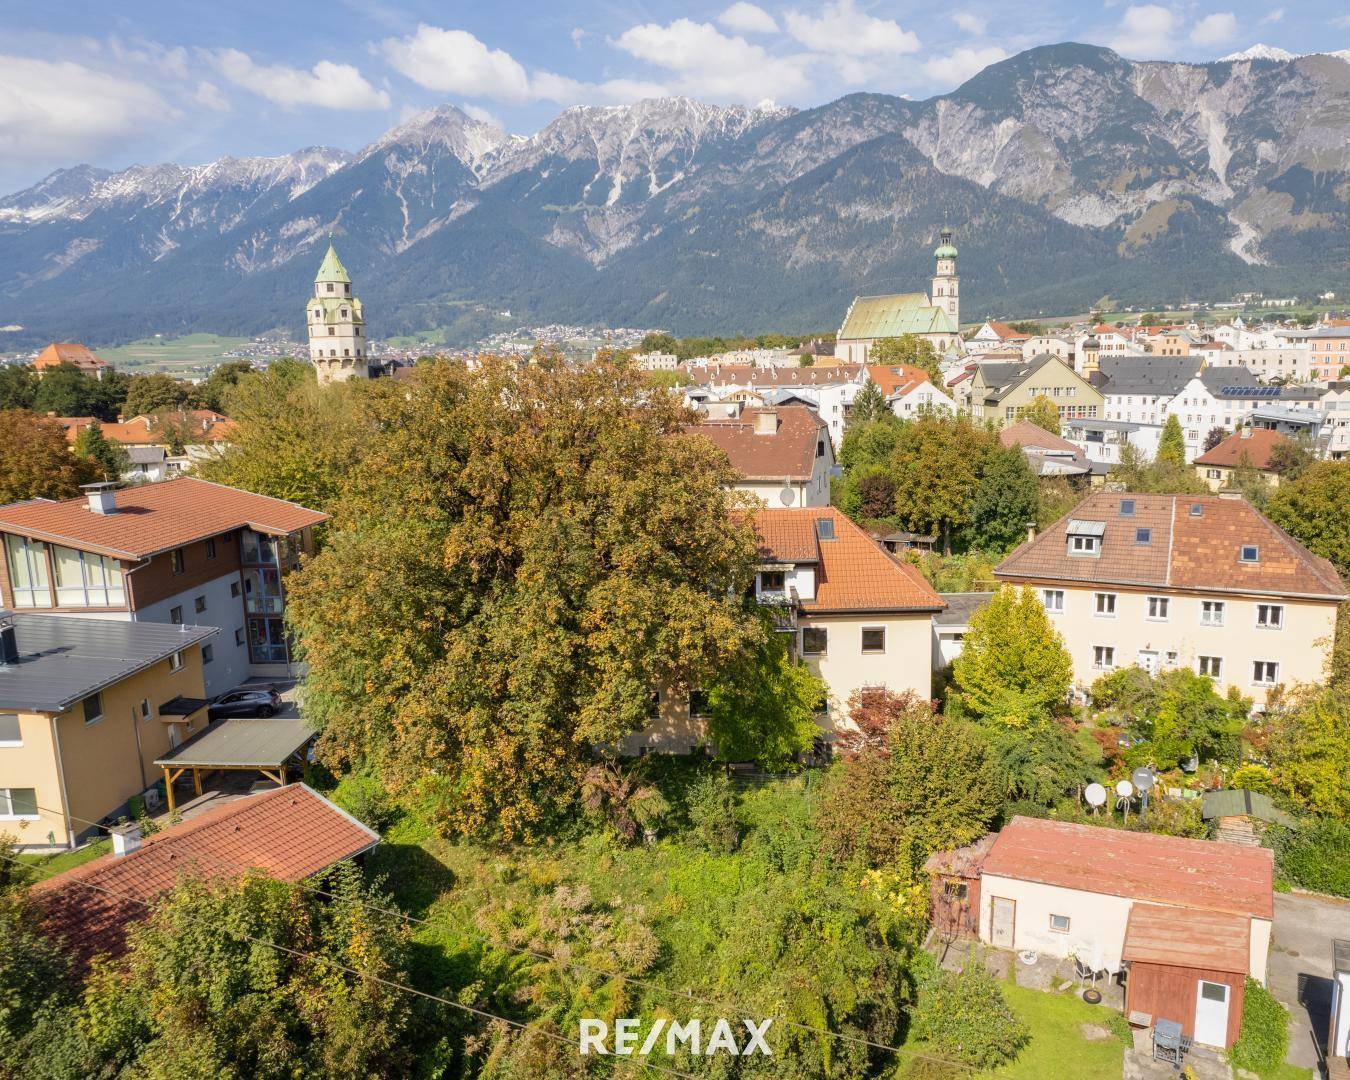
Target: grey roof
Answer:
[[1302, 393], [145, 455], [960, 607], [263, 744], [63, 660], [1159, 376], [1003, 377], [1103, 425], [1238, 802], [1287, 414], [1215, 379]]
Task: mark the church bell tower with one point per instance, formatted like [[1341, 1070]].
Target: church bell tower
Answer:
[[946, 285], [337, 330]]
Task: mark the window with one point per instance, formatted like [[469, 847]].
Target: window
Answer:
[[1053, 599], [234, 589], [199, 604], [84, 579], [1143, 536], [772, 581], [176, 662], [28, 581], [1158, 608], [1211, 612], [1270, 616], [10, 735], [18, 802], [1106, 604], [654, 705], [698, 703], [1213, 474], [208, 653], [146, 711], [954, 890], [825, 528], [1265, 672], [1250, 553], [874, 639], [93, 708], [211, 548], [1103, 657], [1059, 924], [176, 559], [176, 615], [814, 640], [330, 287], [1212, 666], [1083, 545], [239, 635], [1127, 508]]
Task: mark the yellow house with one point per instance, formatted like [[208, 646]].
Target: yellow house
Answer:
[[86, 706], [1002, 392]]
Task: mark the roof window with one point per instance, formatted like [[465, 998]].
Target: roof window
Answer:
[[1250, 553], [1127, 508], [1197, 510], [1143, 536], [825, 528]]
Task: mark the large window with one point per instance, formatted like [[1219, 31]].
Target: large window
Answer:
[[1053, 600], [28, 579], [1211, 612], [1106, 604], [84, 579], [10, 734], [267, 641], [815, 640], [874, 639], [1269, 616], [18, 802]]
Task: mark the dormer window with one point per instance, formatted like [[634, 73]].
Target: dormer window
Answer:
[[1127, 508], [330, 287], [1250, 553], [1085, 537], [1083, 545]]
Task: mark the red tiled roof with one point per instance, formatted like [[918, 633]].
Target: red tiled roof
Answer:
[[1026, 434], [1006, 332], [892, 377], [1256, 443], [67, 352], [1188, 937], [1186, 550], [787, 454], [853, 572], [1171, 870], [151, 518], [292, 833]]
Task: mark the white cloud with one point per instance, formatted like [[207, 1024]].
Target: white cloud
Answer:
[[480, 114], [209, 96], [60, 109], [708, 63], [577, 35], [971, 24], [1146, 30], [748, 19], [456, 62], [1273, 16], [1217, 29], [961, 64], [841, 29], [326, 85], [1342, 22]]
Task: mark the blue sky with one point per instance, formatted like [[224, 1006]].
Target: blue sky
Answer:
[[117, 84]]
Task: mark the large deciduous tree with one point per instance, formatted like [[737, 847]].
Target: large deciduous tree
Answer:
[[18, 386], [1007, 500], [66, 391], [937, 464], [907, 349], [157, 393], [521, 558], [35, 459], [1309, 750], [1313, 508], [1044, 413]]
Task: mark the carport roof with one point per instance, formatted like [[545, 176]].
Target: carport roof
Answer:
[[1186, 937], [241, 744]]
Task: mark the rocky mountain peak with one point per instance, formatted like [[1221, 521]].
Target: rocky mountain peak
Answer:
[[474, 142]]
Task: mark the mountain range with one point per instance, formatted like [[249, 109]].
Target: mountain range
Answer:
[[1067, 173]]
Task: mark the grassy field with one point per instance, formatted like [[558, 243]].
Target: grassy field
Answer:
[[176, 356], [49, 865], [1058, 1047]]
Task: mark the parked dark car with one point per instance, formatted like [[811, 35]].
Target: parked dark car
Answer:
[[245, 701]]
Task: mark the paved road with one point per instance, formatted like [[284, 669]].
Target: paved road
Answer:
[[1300, 967]]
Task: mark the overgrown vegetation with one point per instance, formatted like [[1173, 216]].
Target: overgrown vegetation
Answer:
[[1265, 1031]]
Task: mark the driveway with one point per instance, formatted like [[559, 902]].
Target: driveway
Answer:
[[1300, 967]]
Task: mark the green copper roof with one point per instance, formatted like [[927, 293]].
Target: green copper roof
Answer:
[[891, 316], [945, 251], [331, 269]]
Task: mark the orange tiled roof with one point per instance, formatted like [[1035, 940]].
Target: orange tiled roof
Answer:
[[1172, 870], [788, 454], [67, 352], [1186, 550], [1024, 434], [1256, 443], [151, 518], [853, 572], [292, 833], [892, 377]]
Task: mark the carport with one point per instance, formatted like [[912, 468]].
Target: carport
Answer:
[[270, 747]]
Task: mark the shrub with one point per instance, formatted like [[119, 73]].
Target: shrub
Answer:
[[1265, 1031], [1315, 855], [365, 799], [712, 814], [966, 1018]]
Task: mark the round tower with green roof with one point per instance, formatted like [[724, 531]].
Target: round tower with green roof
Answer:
[[337, 329], [946, 284]]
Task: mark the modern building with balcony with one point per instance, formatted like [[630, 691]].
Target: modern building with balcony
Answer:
[[185, 551]]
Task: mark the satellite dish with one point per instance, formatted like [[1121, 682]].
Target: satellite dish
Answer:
[[787, 496], [1143, 778], [1095, 794], [1124, 789]]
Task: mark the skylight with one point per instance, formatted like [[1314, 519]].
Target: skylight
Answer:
[[825, 528], [1127, 508]]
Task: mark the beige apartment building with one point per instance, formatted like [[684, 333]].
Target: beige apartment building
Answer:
[[1205, 582], [1002, 392], [86, 706], [784, 455]]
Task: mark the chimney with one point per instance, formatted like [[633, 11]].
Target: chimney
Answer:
[[766, 422], [102, 497], [1031, 531], [126, 838], [1246, 433], [9, 643]]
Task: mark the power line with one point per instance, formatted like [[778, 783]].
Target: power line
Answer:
[[483, 1013], [647, 984]]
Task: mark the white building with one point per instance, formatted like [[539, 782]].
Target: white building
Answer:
[[337, 330]]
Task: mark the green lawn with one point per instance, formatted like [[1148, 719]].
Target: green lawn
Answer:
[[172, 354], [1058, 1048], [49, 865]]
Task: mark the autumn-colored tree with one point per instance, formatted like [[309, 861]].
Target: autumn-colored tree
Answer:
[[517, 562], [875, 490], [1044, 413], [1172, 444], [1308, 746], [937, 464], [214, 391], [1013, 671], [1213, 437], [907, 349], [35, 459], [110, 459], [1313, 508], [1290, 457]]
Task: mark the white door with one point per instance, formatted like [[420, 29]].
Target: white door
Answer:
[[1001, 922], [1148, 660], [1211, 1013]]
